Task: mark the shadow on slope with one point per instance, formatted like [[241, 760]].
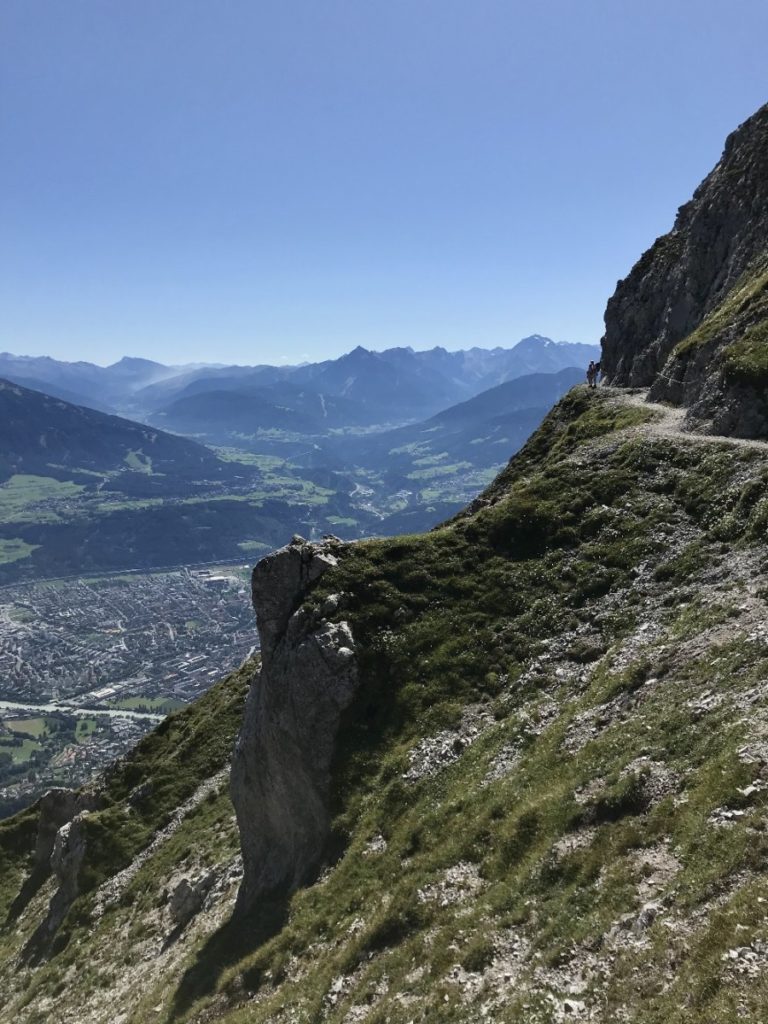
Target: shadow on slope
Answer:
[[237, 938]]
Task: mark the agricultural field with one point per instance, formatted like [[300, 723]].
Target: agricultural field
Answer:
[[163, 705]]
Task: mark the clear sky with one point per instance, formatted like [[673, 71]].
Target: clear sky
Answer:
[[266, 180]]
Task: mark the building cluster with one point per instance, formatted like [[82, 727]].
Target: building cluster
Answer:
[[61, 755], [170, 633], [116, 652]]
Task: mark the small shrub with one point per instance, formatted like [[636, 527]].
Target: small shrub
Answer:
[[478, 954]]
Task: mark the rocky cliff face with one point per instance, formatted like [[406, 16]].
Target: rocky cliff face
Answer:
[[282, 761], [687, 320]]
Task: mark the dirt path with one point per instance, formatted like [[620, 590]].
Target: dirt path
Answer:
[[669, 421]]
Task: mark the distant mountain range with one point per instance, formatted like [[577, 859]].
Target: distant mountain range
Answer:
[[102, 387], [359, 389], [353, 446]]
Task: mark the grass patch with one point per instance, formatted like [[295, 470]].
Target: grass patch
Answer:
[[250, 546], [435, 471], [20, 752], [746, 360], [85, 728], [29, 498], [341, 520], [31, 726], [138, 462], [748, 297], [164, 705], [14, 550]]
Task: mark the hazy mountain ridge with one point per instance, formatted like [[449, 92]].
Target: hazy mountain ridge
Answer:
[[397, 384], [106, 385], [389, 387]]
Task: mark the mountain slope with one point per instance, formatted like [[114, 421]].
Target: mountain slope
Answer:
[[83, 492], [441, 463], [225, 416], [56, 391], [39, 432], [545, 797], [392, 385]]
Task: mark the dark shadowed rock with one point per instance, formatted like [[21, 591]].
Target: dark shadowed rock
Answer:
[[701, 289]]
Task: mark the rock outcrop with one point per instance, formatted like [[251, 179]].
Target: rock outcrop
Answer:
[[701, 289], [57, 808], [282, 760], [66, 858]]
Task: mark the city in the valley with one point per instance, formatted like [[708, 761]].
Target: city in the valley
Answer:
[[88, 666]]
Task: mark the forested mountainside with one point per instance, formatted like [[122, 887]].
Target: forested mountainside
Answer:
[[514, 769], [81, 491], [39, 433]]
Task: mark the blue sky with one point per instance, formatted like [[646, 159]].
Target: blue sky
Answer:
[[267, 180]]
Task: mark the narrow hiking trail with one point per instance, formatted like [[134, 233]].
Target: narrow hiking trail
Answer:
[[669, 420]]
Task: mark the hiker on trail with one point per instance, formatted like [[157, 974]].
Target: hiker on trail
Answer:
[[597, 375], [591, 374]]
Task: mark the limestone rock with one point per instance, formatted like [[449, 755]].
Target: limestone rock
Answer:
[[717, 238], [69, 849], [57, 807], [281, 766], [279, 583], [68, 853], [188, 897]]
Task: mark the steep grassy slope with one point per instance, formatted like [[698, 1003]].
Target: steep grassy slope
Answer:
[[549, 793], [720, 369], [160, 815]]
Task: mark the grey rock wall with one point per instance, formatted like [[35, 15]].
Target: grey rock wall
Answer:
[[57, 807], [717, 236], [281, 768]]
